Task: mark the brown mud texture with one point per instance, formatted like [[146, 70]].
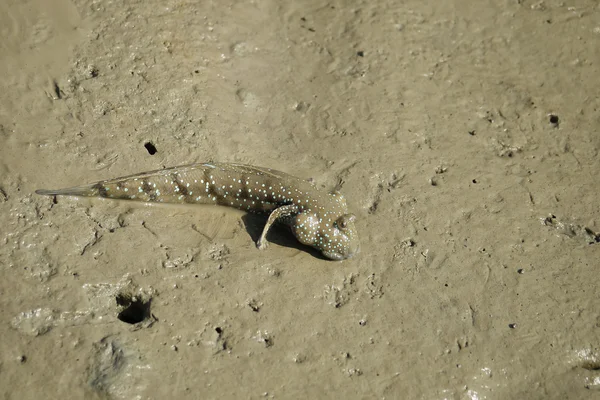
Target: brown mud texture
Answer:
[[464, 134]]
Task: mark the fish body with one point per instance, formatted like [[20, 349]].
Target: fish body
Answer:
[[317, 218]]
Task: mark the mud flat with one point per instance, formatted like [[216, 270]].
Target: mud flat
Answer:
[[464, 136]]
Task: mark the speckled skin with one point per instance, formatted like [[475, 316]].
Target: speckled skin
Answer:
[[318, 219]]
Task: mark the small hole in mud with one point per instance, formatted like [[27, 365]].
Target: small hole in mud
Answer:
[[151, 148], [134, 310], [512, 326], [218, 330], [554, 119]]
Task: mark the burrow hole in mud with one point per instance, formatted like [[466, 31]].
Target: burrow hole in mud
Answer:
[[151, 148], [134, 310]]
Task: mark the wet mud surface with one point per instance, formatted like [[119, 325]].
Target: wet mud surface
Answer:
[[464, 136]]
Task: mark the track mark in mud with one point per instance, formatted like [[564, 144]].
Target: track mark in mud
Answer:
[[572, 230], [108, 360], [373, 286], [503, 149], [57, 90], [103, 224], [220, 342], [338, 295], [387, 186], [342, 175], [254, 305], [462, 343], [116, 369], [591, 365], [264, 337], [248, 99], [435, 179]]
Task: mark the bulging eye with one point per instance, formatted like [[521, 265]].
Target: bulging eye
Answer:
[[345, 220]]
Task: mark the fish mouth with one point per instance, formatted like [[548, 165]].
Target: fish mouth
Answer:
[[353, 252], [343, 256]]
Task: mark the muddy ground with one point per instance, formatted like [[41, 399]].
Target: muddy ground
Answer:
[[464, 134]]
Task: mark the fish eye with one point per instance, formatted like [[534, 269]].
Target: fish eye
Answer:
[[343, 221]]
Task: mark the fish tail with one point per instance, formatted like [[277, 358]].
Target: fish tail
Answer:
[[91, 190]]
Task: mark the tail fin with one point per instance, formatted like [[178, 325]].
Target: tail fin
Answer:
[[79, 191]]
